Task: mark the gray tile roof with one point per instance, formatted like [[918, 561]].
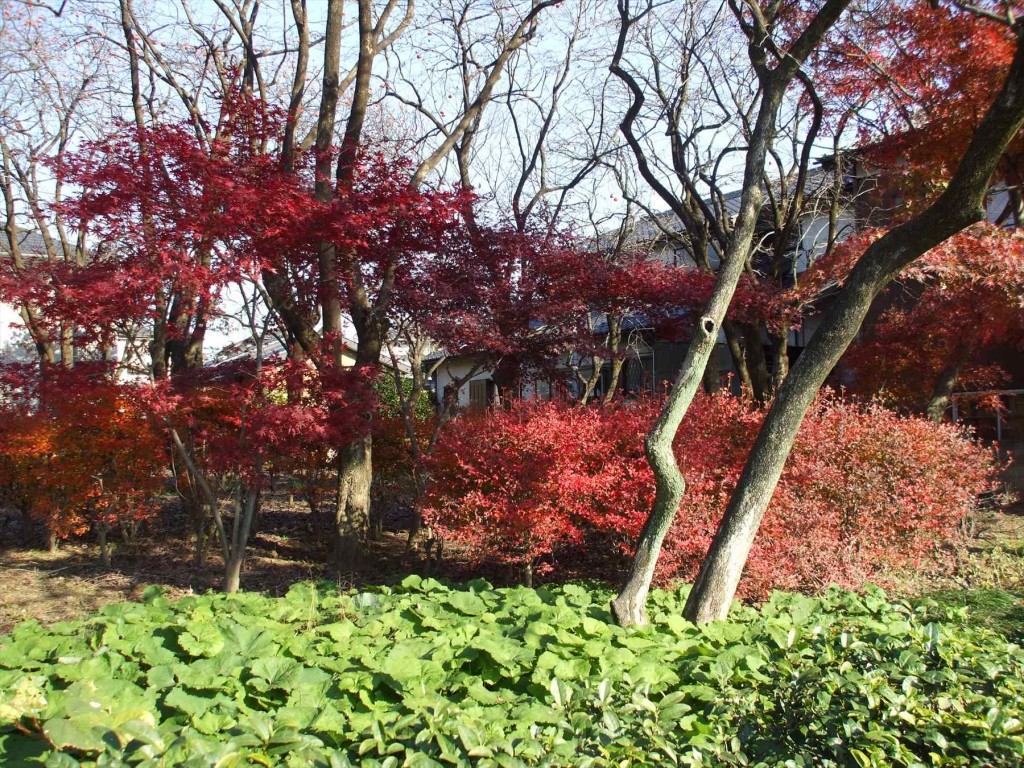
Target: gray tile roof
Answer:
[[30, 243], [647, 229]]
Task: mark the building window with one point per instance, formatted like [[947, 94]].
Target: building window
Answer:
[[479, 394]]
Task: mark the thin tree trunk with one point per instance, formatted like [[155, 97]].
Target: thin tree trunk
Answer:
[[630, 605], [613, 379], [101, 533], [780, 359], [739, 360], [590, 383], [959, 206], [757, 364], [942, 395], [199, 518], [246, 507]]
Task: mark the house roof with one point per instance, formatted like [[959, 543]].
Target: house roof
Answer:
[[273, 347], [650, 228], [30, 243]]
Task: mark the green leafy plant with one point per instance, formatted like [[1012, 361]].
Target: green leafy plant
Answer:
[[429, 674]]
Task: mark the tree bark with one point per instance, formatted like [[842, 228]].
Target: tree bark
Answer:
[[960, 205], [942, 395], [104, 546], [780, 359], [739, 359], [630, 605], [757, 364], [352, 520]]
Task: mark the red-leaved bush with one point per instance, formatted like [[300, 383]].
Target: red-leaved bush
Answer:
[[77, 449], [865, 490]]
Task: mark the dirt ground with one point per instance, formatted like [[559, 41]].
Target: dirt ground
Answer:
[[53, 587]]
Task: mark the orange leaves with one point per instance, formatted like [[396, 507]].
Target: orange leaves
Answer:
[[77, 449], [919, 76]]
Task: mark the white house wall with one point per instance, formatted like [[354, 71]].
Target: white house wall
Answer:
[[9, 320], [450, 371]]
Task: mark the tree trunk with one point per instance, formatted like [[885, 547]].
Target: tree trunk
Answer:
[[739, 360], [352, 521], [942, 395], [959, 206], [233, 573], [780, 359], [757, 364], [101, 533], [247, 502], [613, 379], [630, 605], [712, 379], [199, 556]]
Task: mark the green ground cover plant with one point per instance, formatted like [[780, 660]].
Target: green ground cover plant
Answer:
[[429, 674]]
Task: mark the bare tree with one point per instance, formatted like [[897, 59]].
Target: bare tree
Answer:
[[961, 204], [775, 65], [46, 93]]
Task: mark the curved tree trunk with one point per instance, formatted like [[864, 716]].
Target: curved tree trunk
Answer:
[[960, 205], [629, 607]]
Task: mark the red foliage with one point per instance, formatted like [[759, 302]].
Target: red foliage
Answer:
[[864, 491], [243, 423], [920, 76], [671, 298], [955, 308], [77, 449]]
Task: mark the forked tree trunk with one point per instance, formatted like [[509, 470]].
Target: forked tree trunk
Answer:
[[959, 206], [247, 501], [630, 605]]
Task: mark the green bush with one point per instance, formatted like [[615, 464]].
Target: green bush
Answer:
[[426, 674]]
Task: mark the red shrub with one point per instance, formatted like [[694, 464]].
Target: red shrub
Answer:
[[77, 449], [865, 490]]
